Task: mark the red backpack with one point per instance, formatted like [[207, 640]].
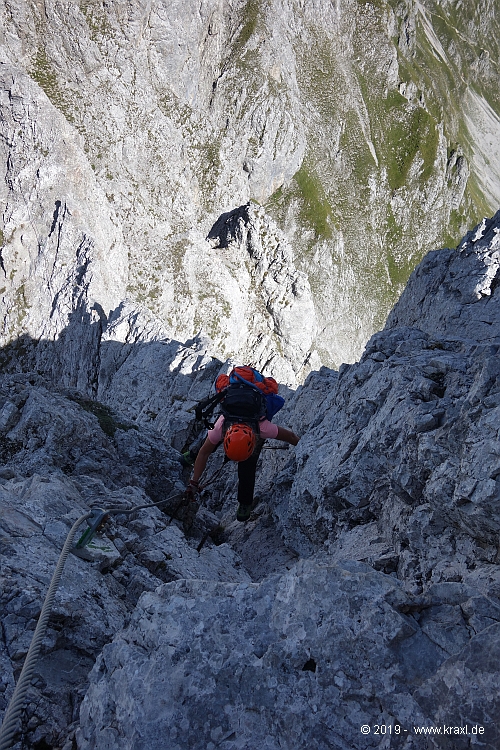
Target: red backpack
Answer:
[[234, 394], [248, 375]]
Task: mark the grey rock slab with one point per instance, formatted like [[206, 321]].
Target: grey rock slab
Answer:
[[59, 434], [257, 542], [464, 693], [452, 293], [284, 663], [390, 437]]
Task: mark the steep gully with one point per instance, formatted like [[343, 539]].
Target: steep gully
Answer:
[[390, 505]]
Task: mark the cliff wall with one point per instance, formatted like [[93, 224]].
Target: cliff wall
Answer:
[[363, 592], [361, 134]]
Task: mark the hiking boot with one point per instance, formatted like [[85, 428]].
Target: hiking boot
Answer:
[[243, 512], [187, 459]]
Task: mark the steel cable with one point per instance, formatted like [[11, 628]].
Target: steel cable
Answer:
[[13, 712], [15, 707], [9, 724], [118, 511]]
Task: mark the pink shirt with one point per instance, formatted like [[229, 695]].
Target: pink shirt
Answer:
[[267, 430]]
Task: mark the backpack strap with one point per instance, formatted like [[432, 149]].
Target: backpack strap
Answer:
[[204, 409]]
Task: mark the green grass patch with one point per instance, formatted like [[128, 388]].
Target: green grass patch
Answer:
[[385, 281], [458, 225], [108, 421], [465, 41], [416, 134], [96, 18], [399, 270], [394, 234], [460, 24], [43, 73], [250, 17], [210, 165], [315, 209], [311, 203], [401, 130]]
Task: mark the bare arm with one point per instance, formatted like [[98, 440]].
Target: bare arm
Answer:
[[287, 436], [201, 459]]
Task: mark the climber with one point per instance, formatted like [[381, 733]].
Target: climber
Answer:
[[248, 402]]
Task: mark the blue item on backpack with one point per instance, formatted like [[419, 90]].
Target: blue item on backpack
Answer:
[[274, 403]]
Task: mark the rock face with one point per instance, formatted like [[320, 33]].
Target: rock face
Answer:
[[364, 131], [253, 664], [391, 618], [365, 590], [302, 660], [452, 294], [187, 183], [62, 453], [66, 267], [416, 418]]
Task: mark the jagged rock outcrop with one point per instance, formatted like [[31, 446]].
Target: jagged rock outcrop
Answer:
[[393, 619], [414, 421], [254, 241], [62, 453], [452, 294], [365, 131]]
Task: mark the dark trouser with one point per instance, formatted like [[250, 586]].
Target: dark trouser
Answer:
[[246, 475]]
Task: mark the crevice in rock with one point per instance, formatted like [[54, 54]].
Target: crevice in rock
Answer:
[[309, 666], [55, 217]]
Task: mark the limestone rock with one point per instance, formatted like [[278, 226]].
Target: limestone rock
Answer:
[[135, 263], [407, 438], [392, 494], [269, 664], [63, 455], [285, 293], [128, 134], [449, 692], [63, 256], [289, 662], [451, 293]]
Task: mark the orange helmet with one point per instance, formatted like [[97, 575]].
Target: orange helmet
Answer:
[[239, 442]]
